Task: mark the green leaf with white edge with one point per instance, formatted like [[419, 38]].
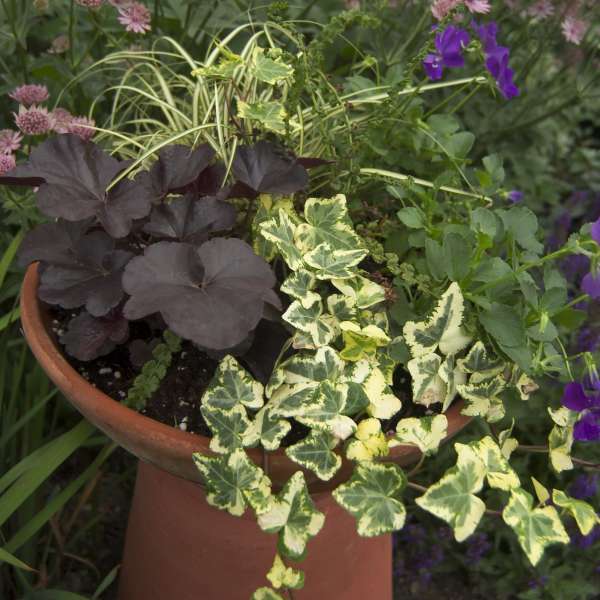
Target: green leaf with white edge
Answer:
[[224, 69], [327, 221], [268, 429], [452, 376], [427, 386], [234, 482], [330, 263], [270, 114], [280, 231], [563, 417], [536, 528], [265, 593], [268, 208], [269, 70], [363, 291], [453, 497], [373, 495], [483, 399], [507, 443], [303, 317], [426, 433], [229, 428], [443, 328], [299, 285], [282, 576], [342, 307], [560, 442], [321, 333], [315, 452], [478, 361], [383, 404], [323, 365], [233, 385], [361, 342], [294, 516], [369, 442], [585, 516], [498, 472]]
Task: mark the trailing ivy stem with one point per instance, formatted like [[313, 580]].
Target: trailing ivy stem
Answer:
[[417, 467], [545, 450]]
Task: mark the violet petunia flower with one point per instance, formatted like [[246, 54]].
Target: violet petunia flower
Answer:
[[449, 45], [585, 486], [515, 196], [595, 231], [587, 403], [590, 285]]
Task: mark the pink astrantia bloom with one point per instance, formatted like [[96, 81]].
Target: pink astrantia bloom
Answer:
[[441, 8], [10, 141], [34, 120], [542, 9], [478, 6], [61, 119], [30, 94], [135, 17], [90, 3], [573, 30], [7, 162], [81, 126]]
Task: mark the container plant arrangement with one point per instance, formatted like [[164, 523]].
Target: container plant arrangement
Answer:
[[320, 363]]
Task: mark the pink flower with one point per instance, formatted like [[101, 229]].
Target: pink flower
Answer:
[[573, 29], [33, 120], [83, 127], [441, 8], [10, 141], [478, 6], [135, 17], [61, 119], [90, 3], [30, 94], [7, 162], [541, 9]]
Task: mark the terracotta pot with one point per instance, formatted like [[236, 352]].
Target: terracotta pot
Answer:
[[171, 524]]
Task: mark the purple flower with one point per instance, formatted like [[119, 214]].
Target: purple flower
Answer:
[[584, 486], [515, 196], [538, 582], [585, 541], [477, 546], [449, 45], [576, 398], [590, 285], [33, 120], [10, 141], [29, 94], [595, 231]]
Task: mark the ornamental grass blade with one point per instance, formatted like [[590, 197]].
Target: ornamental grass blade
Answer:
[[7, 557]]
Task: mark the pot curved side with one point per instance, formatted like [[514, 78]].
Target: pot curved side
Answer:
[[161, 445]]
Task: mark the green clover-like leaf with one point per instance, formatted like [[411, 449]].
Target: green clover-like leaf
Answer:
[[426, 433], [536, 528], [374, 496], [234, 482], [280, 231], [282, 576], [229, 428], [315, 452], [294, 516], [330, 263], [483, 399], [584, 514], [363, 291]]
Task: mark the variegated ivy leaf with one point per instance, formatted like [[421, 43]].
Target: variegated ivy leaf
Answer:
[[427, 386], [483, 399], [369, 441], [224, 69], [374, 496], [268, 429], [265, 593], [319, 330], [233, 385], [229, 428], [478, 362], [387, 364], [282, 576], [270, 70], [378, 318], [536, 528], [540, 491], [324, 330], [327, 221], [323, 365], [526, 386], [443, 328], [363, 291], [361, 342], [299, 285], [341, 307], [453, 497], [560, 442], [585, 516], [383, 404], [563, 417], [426, 433], [268, 208], [499, 473], [452, 376], [507, 443], [330, 263], [280, 231], [303, 317], [270, 114], [315, 452], [294, 516], [234, 482]]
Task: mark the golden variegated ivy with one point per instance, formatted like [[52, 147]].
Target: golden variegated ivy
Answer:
[[335, 378]]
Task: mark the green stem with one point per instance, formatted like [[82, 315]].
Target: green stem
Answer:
[[71, 33]]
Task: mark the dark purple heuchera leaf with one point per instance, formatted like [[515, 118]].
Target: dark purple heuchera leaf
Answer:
[[140, 351], [268, 340], [209, 182], [88, 337], [190, 219], [266, 168], [212, 295], [73, 175]]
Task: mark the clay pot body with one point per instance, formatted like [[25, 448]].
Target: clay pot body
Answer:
[[179, 547]]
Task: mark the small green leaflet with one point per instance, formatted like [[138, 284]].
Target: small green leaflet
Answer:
[[363, 291], [342, 308], [585, 516], [453, 498], [280, 231], [268, 429], [281, 576], [269, 70], [536, 528], [271, 115], [426, 433], [478, 362], [483, 399], [294, 516], [232, 385], [374, 496], [315, 452], [308, 320], [361, 342], [442, 329], [427, 385], [234, 482], [299, 285], [229, 428], [369, 441], [329, 263], [265, 593]]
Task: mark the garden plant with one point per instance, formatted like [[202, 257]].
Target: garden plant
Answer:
[[284, 263]]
